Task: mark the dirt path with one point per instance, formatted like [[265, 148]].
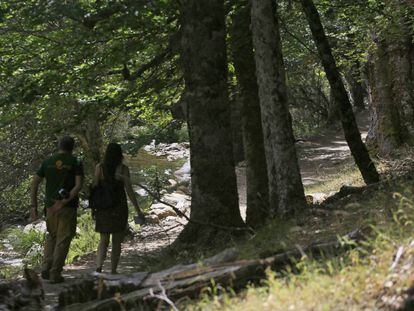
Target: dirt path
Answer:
[[135, 254], [320, 158]]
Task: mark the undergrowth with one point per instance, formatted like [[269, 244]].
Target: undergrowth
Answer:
[[29, 243], [86, 239], [365, 278]]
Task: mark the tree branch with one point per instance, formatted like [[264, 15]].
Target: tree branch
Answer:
[[156, 61]]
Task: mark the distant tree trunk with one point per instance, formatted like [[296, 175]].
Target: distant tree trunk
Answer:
[[334, 114], [282, 161], [214, 196], [391, 82], [89, 134], [256, 169], [356, 87], [352, 134]]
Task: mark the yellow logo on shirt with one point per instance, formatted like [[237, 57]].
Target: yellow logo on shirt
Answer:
[[59, 165]]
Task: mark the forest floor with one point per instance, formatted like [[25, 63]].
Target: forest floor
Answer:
[[322, 159]]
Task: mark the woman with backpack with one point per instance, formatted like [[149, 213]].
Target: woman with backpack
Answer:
[[112, 184]]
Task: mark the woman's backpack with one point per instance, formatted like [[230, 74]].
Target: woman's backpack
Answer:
[[103, 196]]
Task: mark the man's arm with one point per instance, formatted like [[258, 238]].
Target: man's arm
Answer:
[[75, 190], [34, 215]]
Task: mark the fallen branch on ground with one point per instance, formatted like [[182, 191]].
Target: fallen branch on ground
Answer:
[[143, 291]]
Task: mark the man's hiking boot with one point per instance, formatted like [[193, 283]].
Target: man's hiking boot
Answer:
[[45, 274], [57, 279], [99, 269]]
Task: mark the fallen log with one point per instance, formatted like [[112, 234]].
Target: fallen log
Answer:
[[25, 294], [147, 292]]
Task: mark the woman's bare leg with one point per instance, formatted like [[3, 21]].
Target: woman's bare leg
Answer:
[[102, 250], [117, 239]]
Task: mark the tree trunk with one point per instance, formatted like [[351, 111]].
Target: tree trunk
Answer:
[[90, 137], [356, 87], [248, 99], [391, 81], [213, 180], [334, 115], [282, 161], [352, 134]]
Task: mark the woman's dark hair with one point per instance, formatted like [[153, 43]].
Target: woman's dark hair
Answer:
[[113, 157]]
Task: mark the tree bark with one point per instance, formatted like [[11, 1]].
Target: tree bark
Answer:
[[391, 83], [256, 169], [356, 87], [352, 134], [281, 157], [213, 180], [334, 114], [91, 140]]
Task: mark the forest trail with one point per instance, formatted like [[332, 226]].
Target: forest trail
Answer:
[[320, 158], [322, 155]]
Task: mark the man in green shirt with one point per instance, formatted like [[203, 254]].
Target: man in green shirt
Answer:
[[63, 173]]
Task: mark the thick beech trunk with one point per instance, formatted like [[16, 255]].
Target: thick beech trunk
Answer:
[[282, 161], [391, 78], [213, 180], [352, 134], [248, 99]]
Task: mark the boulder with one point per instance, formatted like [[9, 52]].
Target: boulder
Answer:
[[152, 219], [170, 219], [164, 213], [37, 226], [141, 192], [173, 183], [183, 174], [172, 151], [158, 206], [316, 198]]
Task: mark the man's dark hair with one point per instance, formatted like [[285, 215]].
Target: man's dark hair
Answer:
[[66, 143]]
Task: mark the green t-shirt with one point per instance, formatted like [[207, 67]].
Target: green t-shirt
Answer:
[[60, 171]]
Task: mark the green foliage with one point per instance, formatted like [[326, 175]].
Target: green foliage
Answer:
[[86, 239], [28, 244], [63, 64], [156, 180], [14, 202]]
